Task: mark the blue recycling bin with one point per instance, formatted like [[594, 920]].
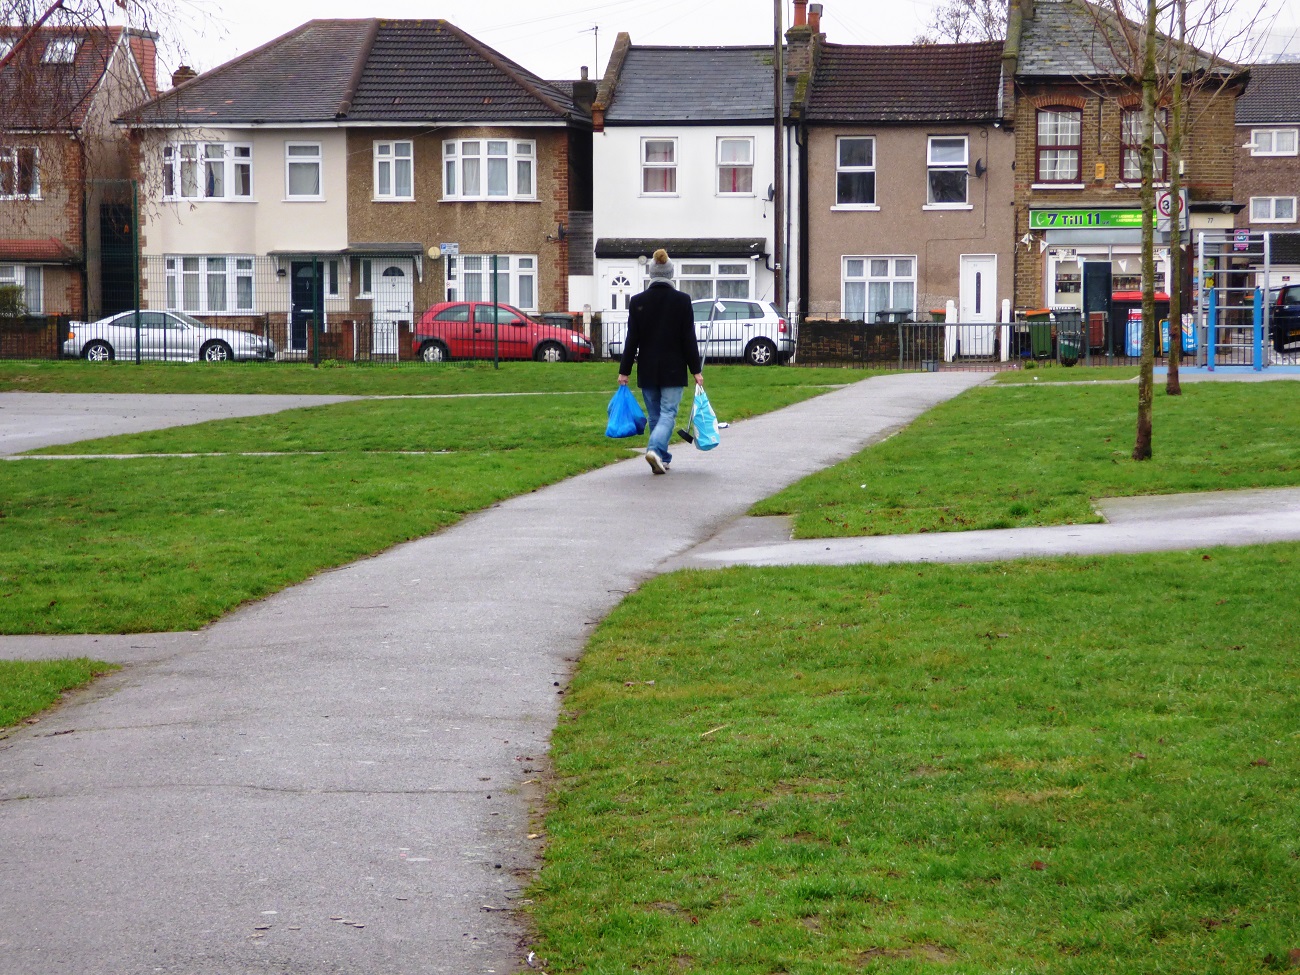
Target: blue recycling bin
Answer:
[[1133, 337], [1189, 336]]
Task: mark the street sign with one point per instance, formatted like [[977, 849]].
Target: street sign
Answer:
[[449, 250], [1166, 206]]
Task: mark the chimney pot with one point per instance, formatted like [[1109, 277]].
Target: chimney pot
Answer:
[[800, 13], [815, 17], [584, 72]]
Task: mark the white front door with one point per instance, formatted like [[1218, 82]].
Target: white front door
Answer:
[[978, 303], [620, 282], [394, 297]]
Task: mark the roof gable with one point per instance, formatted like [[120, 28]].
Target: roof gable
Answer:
[[37, 93], [368, 71], [907, 83], [695, 84]]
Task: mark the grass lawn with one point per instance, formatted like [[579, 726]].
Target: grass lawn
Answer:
[[1053, 372], [1073, 766], [30, 686], [1010, 456], [102, 545]]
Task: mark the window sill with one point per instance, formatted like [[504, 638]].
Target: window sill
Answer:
[[1138, 186], [209, 199], [1057, 186], [22, 199], [736, 196], [392, 199], [855, 207], [303, 199], [660, 196], [479, 199], [949, 206], [1274, 222]]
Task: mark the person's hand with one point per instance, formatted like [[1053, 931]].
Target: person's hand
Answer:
[[622, 379], [699, 379]]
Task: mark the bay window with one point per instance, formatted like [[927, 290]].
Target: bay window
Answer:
[[210, 284], [207, 171], [469, 278]]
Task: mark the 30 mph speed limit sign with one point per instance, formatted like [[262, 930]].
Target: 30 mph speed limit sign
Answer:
[[1167, 205]]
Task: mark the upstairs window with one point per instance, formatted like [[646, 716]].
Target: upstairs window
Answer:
[[658, 166], [394, 171], [1131, 141], [489, 169], [1272, 209], [302, 170], [20, 174], [947, 158], [61, 50], [735, 167], [1060, 145], [855, 172], [207, 171], [1273, 142]]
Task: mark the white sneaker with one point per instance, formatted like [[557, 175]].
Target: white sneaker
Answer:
[[655, 461]]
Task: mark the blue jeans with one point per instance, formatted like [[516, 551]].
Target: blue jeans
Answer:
[[661, 404]]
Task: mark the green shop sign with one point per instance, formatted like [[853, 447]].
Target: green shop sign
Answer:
[[1086, 219]]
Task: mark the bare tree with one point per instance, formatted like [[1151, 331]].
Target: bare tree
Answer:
[[958, 21]]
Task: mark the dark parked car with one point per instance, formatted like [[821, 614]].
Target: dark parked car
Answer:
[[480, 329], [1284, 315]]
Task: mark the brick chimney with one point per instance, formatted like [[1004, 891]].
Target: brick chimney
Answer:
[[584, 93], [802, 40], [183, 74]]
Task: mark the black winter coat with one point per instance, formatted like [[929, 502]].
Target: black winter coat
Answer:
[[660, 337]]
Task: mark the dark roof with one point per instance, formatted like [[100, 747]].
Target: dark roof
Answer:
[[1273, 95], [36, 94], [1063, 39], [928, 83], [680, 246], [364, 71], [695, 84]]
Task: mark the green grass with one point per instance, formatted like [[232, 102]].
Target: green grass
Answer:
[[167, 543], [27, 687], [1010, 456], [360, 379], [1052, 372], [1073, 766]]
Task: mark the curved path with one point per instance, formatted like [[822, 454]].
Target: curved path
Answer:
[[340, 779]]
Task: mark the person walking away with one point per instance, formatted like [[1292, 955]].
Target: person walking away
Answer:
[[661, 341]]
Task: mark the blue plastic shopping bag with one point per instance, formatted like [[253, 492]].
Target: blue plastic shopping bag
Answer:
[[704, 420], [626, 418]]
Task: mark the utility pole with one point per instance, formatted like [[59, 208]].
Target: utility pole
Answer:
[[778, 158]]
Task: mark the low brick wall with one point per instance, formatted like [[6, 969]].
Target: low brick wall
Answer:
[[869, 343]]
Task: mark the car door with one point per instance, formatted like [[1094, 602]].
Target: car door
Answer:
[[453, 327], [1285, 323], [495, 328], [733, 324], [153, 335], [703, 312]]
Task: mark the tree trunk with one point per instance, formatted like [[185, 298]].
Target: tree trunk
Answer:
[[1142, 443], [1173, 385]]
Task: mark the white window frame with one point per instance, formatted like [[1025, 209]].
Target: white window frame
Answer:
[[900, 269], [60, 50], [668, 166], [486, 157], [30, 280], [738, 164], [1263, 142], [708, 277], [203, 270], [843, 168], [9, 159], [390, 155], [365, 278], [469, 278], [1271, 202], [236, 158], [315, 161], [933, 166]]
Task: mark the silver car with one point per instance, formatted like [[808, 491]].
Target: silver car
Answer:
[[162, 335], [738, 328]]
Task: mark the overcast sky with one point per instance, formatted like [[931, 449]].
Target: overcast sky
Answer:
[[554, 38]]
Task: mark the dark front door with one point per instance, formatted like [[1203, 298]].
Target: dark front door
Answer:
[[117, 256], [308, 299], [1097, 288]]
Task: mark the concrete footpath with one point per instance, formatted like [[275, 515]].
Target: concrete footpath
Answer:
[[340, 778]]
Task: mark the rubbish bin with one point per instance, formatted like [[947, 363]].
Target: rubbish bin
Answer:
[[938, 314], [1069, 336], [1040, 332]]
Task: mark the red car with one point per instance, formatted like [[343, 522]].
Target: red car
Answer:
[[473, 329]]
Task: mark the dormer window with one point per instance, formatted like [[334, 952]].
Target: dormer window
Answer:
[[61, 50]]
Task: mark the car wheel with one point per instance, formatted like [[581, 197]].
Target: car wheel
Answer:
[[550, 352], [98, 352], [760, 352], [215, 352], [434, 352]]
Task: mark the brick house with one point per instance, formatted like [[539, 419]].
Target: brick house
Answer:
[[324, 170], [1077, 186], [65, 200], [1268, 164]]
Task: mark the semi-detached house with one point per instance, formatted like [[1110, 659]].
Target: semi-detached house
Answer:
[[313, 183]]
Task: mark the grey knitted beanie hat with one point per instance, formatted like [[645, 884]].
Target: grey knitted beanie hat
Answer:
[[661, 269]]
